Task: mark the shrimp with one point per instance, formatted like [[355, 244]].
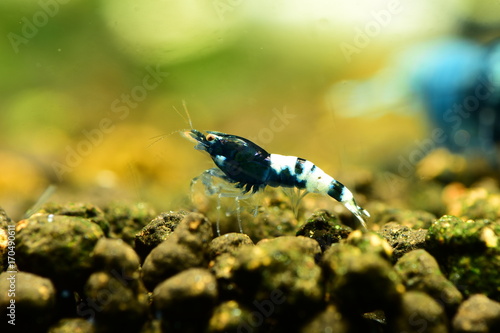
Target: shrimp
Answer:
[[249, 168]]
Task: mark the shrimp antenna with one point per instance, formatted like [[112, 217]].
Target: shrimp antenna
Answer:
[[188, 119], [161, 137], [187, 113], [41, 200]]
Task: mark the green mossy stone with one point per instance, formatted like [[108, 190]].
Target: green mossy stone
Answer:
[[325, 228], [79, 209], [126, 220], [187, 247], [469, 253], [281, 271], [57, 247], [156, 231], [452, 234], [402, 238], [359, 281], [476, 274], [420, 272]]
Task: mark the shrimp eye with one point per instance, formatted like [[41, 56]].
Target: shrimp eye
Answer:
[[210, 137]]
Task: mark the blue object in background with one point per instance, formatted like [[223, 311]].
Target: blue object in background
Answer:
[[459, 85]]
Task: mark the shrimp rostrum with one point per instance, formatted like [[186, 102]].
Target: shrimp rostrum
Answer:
[[249, 168]]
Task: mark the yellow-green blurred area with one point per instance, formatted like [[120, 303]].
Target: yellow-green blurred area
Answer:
[[89, 89]]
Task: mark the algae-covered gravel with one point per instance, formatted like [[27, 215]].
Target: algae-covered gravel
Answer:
[[126, 268]]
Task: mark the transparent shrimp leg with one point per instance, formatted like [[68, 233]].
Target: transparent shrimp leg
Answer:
[[216, 182], [238, 213], [207, 179], [237, 195], [219, 207]]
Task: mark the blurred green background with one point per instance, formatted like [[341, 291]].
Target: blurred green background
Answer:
[[89, 88]]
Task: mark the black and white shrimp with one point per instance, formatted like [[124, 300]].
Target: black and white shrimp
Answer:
[[249, 168]]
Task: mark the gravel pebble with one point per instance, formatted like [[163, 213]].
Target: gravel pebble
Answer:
[[126, 220], [156, 231], [274, 222], [186, 301], [114, 289], [228, 243], [325, 228], [360, 281], [187, 247], [469, 252], [115, 303], [414, 219], [418, 313], [478, 314], [420, 272], [282, 274], [451, 235], [370, 242], [34, 302], [222, 267], [57, 247], [115, 254], [476, 203], [85, 210], [402, 239]]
